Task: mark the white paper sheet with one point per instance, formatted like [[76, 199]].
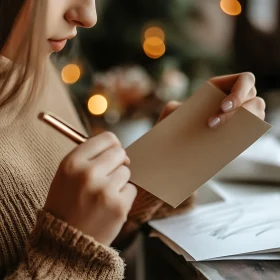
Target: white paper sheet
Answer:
[[264, 255], [225, 228], [260, 162], [267, 150], [229, 191]]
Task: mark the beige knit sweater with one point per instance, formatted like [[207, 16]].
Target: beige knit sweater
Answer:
[[34, 244]]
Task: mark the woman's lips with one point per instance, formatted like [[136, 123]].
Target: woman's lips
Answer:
[[57, 45]]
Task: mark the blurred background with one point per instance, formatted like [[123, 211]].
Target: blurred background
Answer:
[[142, 54]]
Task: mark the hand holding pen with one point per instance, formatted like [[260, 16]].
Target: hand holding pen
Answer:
[[91, 189]]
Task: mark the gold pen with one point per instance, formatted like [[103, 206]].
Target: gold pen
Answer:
[[67, 129], [62, 127]]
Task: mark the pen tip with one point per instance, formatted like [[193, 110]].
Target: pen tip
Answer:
[[41, 116]]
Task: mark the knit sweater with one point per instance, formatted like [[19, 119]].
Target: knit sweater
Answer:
[[33, 243]]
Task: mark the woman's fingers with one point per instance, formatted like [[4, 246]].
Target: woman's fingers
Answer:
[[129, 192], [110, 160], [96, 146], [228, 109], [237, 99], [242, 91], [119, 178], [239, 87], [168, 109], [226, 83], [256, 106]]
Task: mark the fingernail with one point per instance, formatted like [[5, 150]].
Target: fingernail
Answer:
[[127, 160], [227, 106], [214, 122]]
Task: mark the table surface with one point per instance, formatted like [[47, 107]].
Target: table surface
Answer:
[[164, 264]]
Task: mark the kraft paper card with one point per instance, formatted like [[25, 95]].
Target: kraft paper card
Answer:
[[181, 153]]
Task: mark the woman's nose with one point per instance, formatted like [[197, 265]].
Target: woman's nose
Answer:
[[82, 16]]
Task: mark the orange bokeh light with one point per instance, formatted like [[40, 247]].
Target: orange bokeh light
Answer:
[[154, 47], [231, 7], [154, 32], [97, 104], [71, 73]]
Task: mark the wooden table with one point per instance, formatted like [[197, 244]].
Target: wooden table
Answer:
[[164, 264]]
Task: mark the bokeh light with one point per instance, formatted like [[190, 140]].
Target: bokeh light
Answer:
[[154, 47], [71, 73], [97, 104], [154, 32], [231, 7]]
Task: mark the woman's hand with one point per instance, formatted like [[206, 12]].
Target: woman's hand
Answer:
[[90, 190], [241, 92]]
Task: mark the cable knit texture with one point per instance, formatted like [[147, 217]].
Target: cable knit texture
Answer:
[[59, 251], [44, 247]]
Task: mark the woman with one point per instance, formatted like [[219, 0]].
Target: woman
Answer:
[[61, 206]]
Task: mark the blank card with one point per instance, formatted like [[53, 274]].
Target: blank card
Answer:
[[181, 153]]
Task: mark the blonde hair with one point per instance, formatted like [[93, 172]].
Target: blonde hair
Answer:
[[28, 64]]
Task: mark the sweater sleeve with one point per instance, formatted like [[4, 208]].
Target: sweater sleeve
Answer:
[[58, 251], [147, 207]]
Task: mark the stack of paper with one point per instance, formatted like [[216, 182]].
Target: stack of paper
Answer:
[[248, 229]]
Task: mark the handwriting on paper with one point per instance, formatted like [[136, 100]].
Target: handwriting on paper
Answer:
[[225, 229]]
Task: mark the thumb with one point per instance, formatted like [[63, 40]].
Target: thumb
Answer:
[[168, 109]]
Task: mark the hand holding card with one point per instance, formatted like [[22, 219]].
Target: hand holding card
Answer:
[[181, 153]]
